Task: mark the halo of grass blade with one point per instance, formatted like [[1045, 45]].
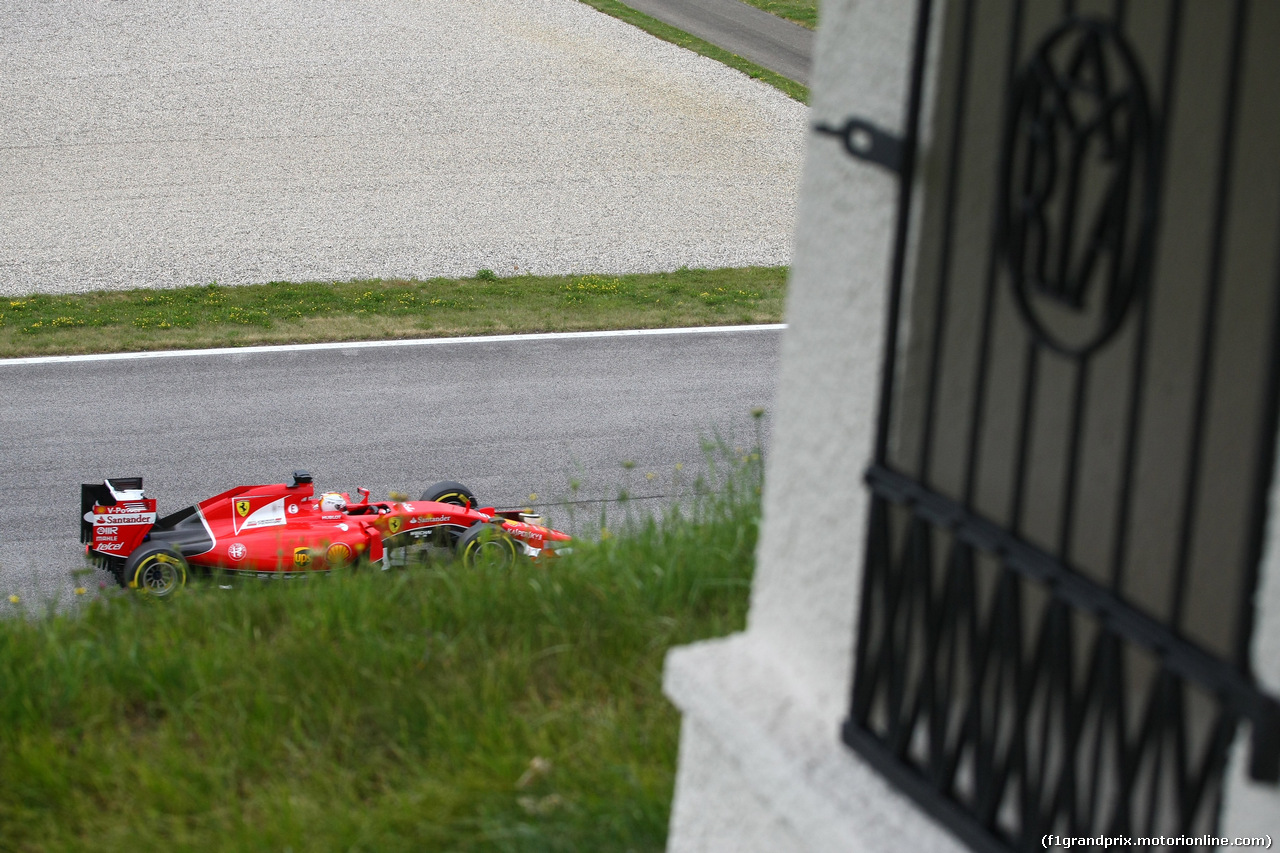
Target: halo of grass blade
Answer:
[[426, 709]]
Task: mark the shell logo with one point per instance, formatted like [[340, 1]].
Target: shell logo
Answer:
[[339, 554]]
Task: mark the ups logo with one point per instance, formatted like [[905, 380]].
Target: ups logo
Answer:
[[242, 507], [301, 557]]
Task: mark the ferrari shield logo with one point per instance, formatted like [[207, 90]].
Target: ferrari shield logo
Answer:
[[301, 557], [393, 524], [242, 507]]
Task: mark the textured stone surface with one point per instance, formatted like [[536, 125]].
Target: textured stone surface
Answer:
[[763, 710]]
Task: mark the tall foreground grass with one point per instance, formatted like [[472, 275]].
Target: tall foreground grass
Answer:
[[426, 709]]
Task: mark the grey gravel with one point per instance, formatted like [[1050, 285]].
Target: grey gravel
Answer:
[[159, 143]]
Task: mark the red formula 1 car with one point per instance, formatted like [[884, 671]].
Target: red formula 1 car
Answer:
[[285, 530]]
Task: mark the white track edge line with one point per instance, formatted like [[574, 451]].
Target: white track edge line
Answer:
[[413, 342]]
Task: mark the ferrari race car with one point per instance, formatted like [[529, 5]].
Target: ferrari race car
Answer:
[[285, 530]]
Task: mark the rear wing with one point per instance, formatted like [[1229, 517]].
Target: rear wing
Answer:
[[113, 502]]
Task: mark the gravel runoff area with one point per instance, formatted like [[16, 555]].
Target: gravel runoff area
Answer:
[[159, 143]]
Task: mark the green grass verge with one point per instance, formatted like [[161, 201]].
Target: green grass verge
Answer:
[[666, 32], [802, 12], [281, 312], [417, 710]]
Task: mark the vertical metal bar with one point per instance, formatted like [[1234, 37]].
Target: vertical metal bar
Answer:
[[906, 182], [876, 565], [1024, 692], [948, 229], [934, 696], [993, 253], [1073, 460], [1004, 653], [1208, 782], [1049, 665], [981, 648], [1158, 708], [939, 669], [1208, 331], [1118, 11], [1030, 377], [896, 614], [954, 604], [1073, 710], [987, 786], [1032, 362], [1136, 383], [914, 574], [1126, 759], [1101, 674], [1184, 814], [897, 609]]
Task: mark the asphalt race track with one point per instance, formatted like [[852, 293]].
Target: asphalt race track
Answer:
[[767, 40], [510, 418]]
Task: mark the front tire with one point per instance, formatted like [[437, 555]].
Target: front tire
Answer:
[[156, 570], [484, 543], [449, 492]]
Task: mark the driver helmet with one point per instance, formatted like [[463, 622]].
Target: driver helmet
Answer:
[[333, 501]]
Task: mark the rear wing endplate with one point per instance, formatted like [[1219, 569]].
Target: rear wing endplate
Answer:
[[109, 492]]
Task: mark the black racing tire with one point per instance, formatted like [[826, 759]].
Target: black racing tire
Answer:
[[156, 570], [485, 543], [449, 492]]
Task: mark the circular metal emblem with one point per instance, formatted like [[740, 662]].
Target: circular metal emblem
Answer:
[[1078, 188]]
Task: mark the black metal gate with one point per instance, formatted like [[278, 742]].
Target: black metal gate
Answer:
[[1077, 420]]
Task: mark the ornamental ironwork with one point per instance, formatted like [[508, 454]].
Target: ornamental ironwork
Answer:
[[1077, 420], [1079, 189]]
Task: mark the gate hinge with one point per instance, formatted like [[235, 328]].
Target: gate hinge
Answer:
[[865, 141]]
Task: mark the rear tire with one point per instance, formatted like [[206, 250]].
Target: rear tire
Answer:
[[156, 570], [485, 543], [449, 492]]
